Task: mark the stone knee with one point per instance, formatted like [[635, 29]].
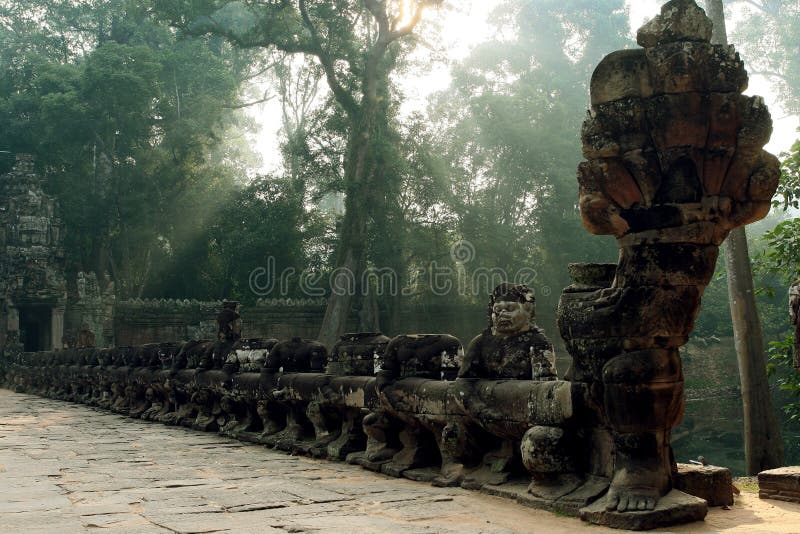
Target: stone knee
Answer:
[[460, 443], [643, 391], [548, 451], [319, 419], [378, 426]]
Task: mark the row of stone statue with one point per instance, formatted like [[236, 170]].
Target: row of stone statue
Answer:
[[385, 404], [413, 406]]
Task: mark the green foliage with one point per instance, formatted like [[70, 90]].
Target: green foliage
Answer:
[[125, 118], [780, 257], [263, 224], [789, 186], [509, 132], [767, 39], [778, 265], [788, 380]]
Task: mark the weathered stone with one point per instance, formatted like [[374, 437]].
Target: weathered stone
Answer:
[[33, 291], [592, 275], [712, 483], [782, 484], [358, 354], [680, 20], [620, 75], [420, 355], [297, 356]]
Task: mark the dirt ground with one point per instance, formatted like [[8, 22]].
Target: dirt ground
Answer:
[[66, 468]]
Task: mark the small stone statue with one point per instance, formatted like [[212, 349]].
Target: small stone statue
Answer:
[[397, 441], [68, 341], [794, 317], [291, 356], [229, 331], [86, 336], [512, 346], [297, 356], [229, 323]]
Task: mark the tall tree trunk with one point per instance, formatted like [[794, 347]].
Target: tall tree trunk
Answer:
[[350, 259], [763, 446]]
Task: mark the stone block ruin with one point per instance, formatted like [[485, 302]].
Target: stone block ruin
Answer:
[[33, 291], [674, 162]]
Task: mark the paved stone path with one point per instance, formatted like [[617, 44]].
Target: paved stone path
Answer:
[[69, 468]]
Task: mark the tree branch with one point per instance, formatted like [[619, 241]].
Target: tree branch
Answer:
[[758, 6], [397, 33], [344, 98], [248, 104]]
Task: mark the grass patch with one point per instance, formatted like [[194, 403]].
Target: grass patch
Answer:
[[746, 484]]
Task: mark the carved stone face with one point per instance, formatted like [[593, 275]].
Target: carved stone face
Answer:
[[510, 318]]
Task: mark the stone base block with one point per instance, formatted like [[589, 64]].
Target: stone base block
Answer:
[[712, 483], [590, 491], [359, 458], [782, 484], [422, 474], [568, 504], [674, 508]]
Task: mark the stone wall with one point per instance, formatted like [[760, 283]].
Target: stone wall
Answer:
[[137, 322]]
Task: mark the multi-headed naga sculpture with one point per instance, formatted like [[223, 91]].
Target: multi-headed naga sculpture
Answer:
[[674, 163]]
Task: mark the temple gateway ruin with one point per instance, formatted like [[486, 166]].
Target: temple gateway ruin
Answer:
[[674, 162]]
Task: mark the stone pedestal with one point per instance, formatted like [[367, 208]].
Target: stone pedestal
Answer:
[[674, 508]]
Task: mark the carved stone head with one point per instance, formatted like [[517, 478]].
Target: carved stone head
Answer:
[[229, 323], [512, 310]]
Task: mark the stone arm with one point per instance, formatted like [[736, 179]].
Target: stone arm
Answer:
[[542, 356], [318, 359], [473, 368], [473, 365], [275, 359]]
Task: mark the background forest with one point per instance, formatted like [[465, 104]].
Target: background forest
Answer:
[[140, 113]]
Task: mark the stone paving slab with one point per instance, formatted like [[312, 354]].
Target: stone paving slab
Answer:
[[67, 468]]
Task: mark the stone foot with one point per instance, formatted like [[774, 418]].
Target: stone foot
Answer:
[[484, 476], [637, 487], [380, 454], [672, 509], [451, 475]]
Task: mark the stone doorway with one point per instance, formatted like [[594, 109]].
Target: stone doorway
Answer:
[[35, 327]]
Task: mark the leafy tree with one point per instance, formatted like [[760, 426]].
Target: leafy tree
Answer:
[[357, 44], [124, 117], [767, 37], [509, 127]]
